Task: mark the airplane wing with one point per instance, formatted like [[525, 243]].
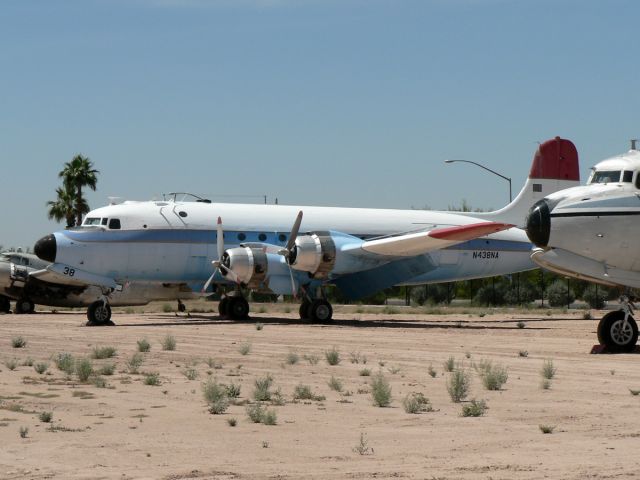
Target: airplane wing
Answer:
[[64, 274], [412, 244]]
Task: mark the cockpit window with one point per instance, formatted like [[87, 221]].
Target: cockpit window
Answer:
[[104, 221], [606, 176], [114, 224], [627, 175], [91, 221]]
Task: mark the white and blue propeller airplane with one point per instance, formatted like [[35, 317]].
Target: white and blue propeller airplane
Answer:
[[294, 250], [589, 232]]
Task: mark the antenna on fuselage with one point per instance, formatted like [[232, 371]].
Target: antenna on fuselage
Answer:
[[633, 143]]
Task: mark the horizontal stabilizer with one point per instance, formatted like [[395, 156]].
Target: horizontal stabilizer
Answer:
[[427, 241]]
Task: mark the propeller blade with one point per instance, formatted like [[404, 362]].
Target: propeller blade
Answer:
[[208, 282], [220, 238], [294, 232]]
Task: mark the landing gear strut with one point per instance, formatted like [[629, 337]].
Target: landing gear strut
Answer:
[[618, 331], [99, 313], [181, 306]]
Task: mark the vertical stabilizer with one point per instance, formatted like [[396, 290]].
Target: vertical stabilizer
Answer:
[[555, 167]]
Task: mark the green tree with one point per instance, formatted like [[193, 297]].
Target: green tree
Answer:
[[63, 207], [76, 174]]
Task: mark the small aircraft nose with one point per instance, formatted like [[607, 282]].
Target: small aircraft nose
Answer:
[[539, 224], [45, 248]]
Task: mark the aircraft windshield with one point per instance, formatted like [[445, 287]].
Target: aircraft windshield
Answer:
[[606, 176], [91, 221]]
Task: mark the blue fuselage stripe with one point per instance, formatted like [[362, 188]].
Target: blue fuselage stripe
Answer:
[[198, 236]]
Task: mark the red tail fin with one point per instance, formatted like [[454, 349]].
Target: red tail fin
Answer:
[[556, 159]]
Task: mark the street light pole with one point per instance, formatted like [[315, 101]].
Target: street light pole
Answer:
[[487, 169]]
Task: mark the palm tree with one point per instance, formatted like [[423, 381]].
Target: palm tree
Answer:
[[63, 207], [78, 173]]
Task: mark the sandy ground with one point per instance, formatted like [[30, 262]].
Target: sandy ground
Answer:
[[133, 430]]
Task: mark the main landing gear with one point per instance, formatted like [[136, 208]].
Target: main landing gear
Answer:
[[234, 307], [318, 310], [5, 304], [99, 313], [24, 305], [618, 331]]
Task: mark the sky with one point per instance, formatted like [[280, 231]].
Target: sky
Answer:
[[313, 102]]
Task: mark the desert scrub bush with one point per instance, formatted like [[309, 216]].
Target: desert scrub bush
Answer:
[[634, 391], [84, 369], [259, 414], [152, 379], [107, 369], [11, 364], [304, 392], [45, 417], [259, 326], [523, 353], [547, 428], [99, 382], [292, 358], [493, 376], [431, 371], [134, 363], [458, 385], [416, 403], [262, 390], [357, 357], [65, 362], [269, 417], [335, 384], [365, 372], [99, 353], [216, 397], [213, 363], [167, 308], [232, 422], [244, 348], [545, 384], [332, 356], [312, 359], [475, 408], [24, 431], [168, 343], [27, 362], [18, 342], [233, 390], [380, 390], [190, 373], [586, 315], [41, 367], [596, 297], [450, 364], [548, 369], [363, 447], [521, 324], [143, 345]]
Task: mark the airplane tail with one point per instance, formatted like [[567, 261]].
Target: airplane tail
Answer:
[[555, 167]]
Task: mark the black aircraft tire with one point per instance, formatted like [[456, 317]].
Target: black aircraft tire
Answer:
[[24, 305], [99, 313], [223, 306], [304, 310], [611, 335], [5, 305], [320, 311], [238, 308]]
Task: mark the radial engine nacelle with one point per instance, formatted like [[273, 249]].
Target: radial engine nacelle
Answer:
[[251, 265], [314, 253]]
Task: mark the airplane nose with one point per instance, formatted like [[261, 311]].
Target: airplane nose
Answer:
[[45, 248], [539, 224]]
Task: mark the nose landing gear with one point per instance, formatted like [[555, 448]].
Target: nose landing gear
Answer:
[[99, 313]]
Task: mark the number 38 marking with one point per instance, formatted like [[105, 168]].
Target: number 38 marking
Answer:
[[69, 271]]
